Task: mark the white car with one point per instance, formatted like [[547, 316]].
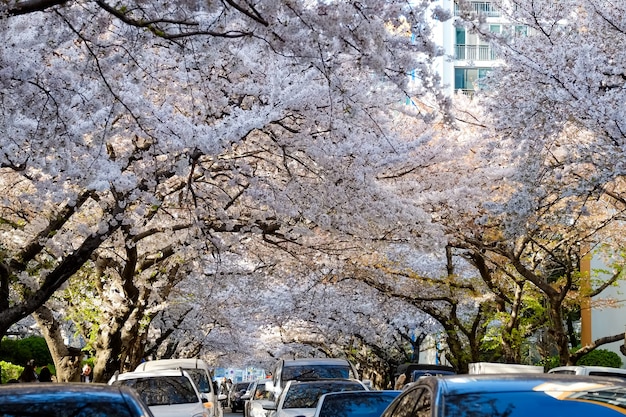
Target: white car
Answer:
[[260, 399], [199, 371], [167, 392], [299, 398]]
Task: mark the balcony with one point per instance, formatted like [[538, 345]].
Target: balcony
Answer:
[[485, 8], [474, 53]]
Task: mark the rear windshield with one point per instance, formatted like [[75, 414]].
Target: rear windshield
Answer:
[[308, 372], [366, 405], [164, 390], [600, 403], [306, 395]]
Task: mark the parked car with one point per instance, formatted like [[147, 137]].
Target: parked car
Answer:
[[307, 369], [239, 394], [511, 395], [299, 398], [199, 371], [354, 403], [71, 399], [590, 370], [167, 392], [260, 397]]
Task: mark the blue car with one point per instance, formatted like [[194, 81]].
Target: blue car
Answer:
[[354, 403], [511, 395]]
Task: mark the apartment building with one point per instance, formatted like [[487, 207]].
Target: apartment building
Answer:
[[468, 57]]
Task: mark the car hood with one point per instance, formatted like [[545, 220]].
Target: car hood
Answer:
[[176, 410], [296, 412]]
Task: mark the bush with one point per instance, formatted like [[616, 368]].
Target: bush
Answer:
[[9, 371], [20, 351], [601, 357]]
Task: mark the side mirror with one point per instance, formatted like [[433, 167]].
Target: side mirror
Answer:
[[271, 406]]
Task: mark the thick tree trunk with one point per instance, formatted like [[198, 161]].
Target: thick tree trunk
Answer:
[[67, 360]]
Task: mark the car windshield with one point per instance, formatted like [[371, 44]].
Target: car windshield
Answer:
[[164, 390], [366, 404], [596, 403], [305, 372], [306, 395], [241, 386], [200, 379]]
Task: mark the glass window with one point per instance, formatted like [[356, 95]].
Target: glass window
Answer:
[[407, 403], [366, 404], [315, 372], [306, 395], [600, 403], [79, 407], [163, 390]]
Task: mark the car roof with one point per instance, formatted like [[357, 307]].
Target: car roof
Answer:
[[150, 374], [469, 384], [173, 363], [365, 393]]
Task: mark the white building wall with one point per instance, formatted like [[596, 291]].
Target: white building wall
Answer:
[[608, 318]]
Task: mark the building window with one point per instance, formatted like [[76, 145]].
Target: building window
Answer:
[[467, 80]]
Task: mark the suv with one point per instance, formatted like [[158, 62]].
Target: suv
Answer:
[[167, 392], [309, 369], [199, 371]]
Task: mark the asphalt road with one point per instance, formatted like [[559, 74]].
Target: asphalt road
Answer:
[[228, 413]]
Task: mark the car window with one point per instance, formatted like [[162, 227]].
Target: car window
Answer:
[[163, 390], [306, 395], [260, 393], [302, 373], [606, 373], [367, 405], [599, 403], [405, 404], [200, 378], [73, 408]]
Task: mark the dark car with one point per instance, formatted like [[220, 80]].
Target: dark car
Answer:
[[239, 394], [354, 403], [70, 400], [511, 395]]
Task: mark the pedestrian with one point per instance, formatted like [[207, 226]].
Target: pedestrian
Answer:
[[45, 375], [86, 376], [28, 374]]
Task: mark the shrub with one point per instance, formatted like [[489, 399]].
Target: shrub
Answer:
[[20, 351], [601, 357], [9, 371]]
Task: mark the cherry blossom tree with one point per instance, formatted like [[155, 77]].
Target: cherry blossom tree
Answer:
[[555, 118], [141, 136]]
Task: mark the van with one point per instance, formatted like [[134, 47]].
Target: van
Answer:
[[503, 368], [309, 369], [199, 371], [589, 370]]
